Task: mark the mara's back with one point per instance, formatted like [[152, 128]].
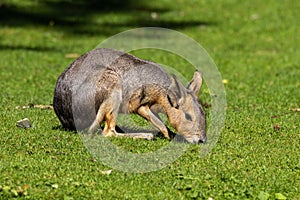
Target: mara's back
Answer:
[[92, 78]]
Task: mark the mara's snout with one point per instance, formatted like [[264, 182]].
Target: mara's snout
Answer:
[[196, 139], [201, 139]]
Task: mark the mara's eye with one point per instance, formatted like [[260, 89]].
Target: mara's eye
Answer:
[[188, 117]]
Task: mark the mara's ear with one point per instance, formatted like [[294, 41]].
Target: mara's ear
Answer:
[[195, 83], [176, 92]]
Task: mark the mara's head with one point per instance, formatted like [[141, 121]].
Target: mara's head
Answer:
[[186, 114]]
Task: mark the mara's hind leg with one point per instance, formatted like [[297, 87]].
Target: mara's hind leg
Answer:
[[109, 115], [108, 112], [110, 123], [112, 106], [99, 118]]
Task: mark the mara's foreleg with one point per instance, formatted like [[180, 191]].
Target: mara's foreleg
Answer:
[[145, 112]]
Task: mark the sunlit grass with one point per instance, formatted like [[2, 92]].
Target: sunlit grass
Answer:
[[255, 44]]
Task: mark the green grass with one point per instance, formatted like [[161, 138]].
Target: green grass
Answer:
[[255, 45]]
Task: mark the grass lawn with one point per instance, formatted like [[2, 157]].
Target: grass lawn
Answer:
[[255, 45]]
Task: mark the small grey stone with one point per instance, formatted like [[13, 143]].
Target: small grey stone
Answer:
[[24, 123]]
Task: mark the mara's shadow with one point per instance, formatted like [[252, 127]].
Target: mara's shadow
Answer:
[[122, 129]]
